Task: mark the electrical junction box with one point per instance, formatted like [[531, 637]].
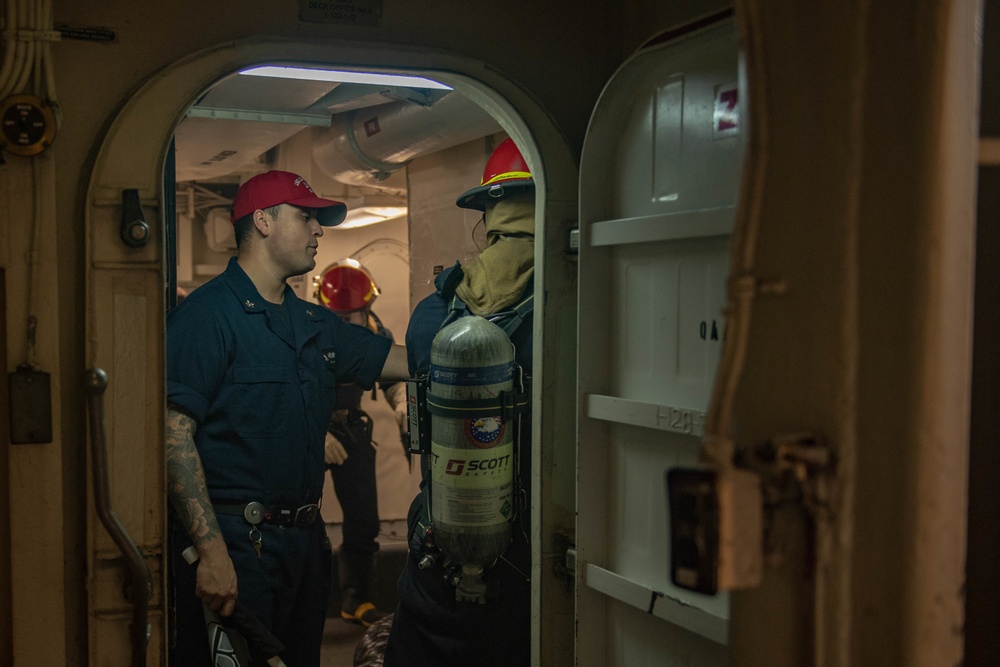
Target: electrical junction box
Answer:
[[716, 529], [30, 396]]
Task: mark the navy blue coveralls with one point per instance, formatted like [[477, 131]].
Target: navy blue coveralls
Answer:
[[261, 385], [429, 627]]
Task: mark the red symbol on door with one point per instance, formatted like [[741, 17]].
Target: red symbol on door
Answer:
[[727, 113]]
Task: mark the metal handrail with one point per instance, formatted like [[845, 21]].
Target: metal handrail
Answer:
[[95, 382]]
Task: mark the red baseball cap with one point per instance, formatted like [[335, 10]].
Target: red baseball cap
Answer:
[[283, 187]]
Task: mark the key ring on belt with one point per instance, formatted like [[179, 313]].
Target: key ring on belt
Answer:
[[254, 513]]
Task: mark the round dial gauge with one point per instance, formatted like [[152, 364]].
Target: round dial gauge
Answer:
[[27, 123]]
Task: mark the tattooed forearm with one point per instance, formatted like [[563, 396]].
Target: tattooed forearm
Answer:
[[186, 479]]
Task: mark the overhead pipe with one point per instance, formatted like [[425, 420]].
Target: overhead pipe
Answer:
[[365, 146]]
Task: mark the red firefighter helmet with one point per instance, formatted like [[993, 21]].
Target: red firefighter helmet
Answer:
[[346, 286], [506, 173]]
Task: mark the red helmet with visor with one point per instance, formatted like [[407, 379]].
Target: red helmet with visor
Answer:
[[346, 286], [506, 173]]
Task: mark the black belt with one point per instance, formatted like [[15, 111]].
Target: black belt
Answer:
[[255, 513]]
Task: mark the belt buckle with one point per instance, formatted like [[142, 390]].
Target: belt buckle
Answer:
[[305, 515]]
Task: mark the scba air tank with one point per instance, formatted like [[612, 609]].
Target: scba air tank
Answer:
[[472, 450]]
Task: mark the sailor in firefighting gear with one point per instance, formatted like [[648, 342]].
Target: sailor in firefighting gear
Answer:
[[349, 290], [429, 625]]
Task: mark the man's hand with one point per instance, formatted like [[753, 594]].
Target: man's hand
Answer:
[[396, 396], [402, 419], [216, 579], [335, 452]]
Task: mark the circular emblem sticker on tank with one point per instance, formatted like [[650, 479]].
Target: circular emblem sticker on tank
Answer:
[[484, 432]]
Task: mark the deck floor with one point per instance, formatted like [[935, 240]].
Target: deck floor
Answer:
[[339, 641], [340, 638]]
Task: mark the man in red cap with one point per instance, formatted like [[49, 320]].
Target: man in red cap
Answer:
[[252, 374]]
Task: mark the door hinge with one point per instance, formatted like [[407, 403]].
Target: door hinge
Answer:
[[566, 568]]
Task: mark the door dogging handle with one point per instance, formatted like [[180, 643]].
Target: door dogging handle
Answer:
[[94, 383], [134, 230]]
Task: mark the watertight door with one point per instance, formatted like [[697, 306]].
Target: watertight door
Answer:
[[658, 181]]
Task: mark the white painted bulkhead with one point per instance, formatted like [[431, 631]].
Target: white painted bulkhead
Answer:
[[658, 183]]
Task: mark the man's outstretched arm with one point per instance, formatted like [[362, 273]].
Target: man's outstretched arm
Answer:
[[396, 366]]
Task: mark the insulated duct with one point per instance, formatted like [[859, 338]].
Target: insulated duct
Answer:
[[364, 146]]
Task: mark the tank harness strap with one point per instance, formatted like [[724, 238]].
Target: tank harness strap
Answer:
[[456, 309], [508, 320], [511, 318], [506, 405]]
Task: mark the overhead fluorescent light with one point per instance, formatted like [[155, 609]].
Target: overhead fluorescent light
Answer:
[[370, 209], [341, 76], [369, 215]]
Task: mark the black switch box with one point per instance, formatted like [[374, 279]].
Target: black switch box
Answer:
[[693, 501]]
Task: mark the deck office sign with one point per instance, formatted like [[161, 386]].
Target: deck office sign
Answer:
[[354, 12]]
